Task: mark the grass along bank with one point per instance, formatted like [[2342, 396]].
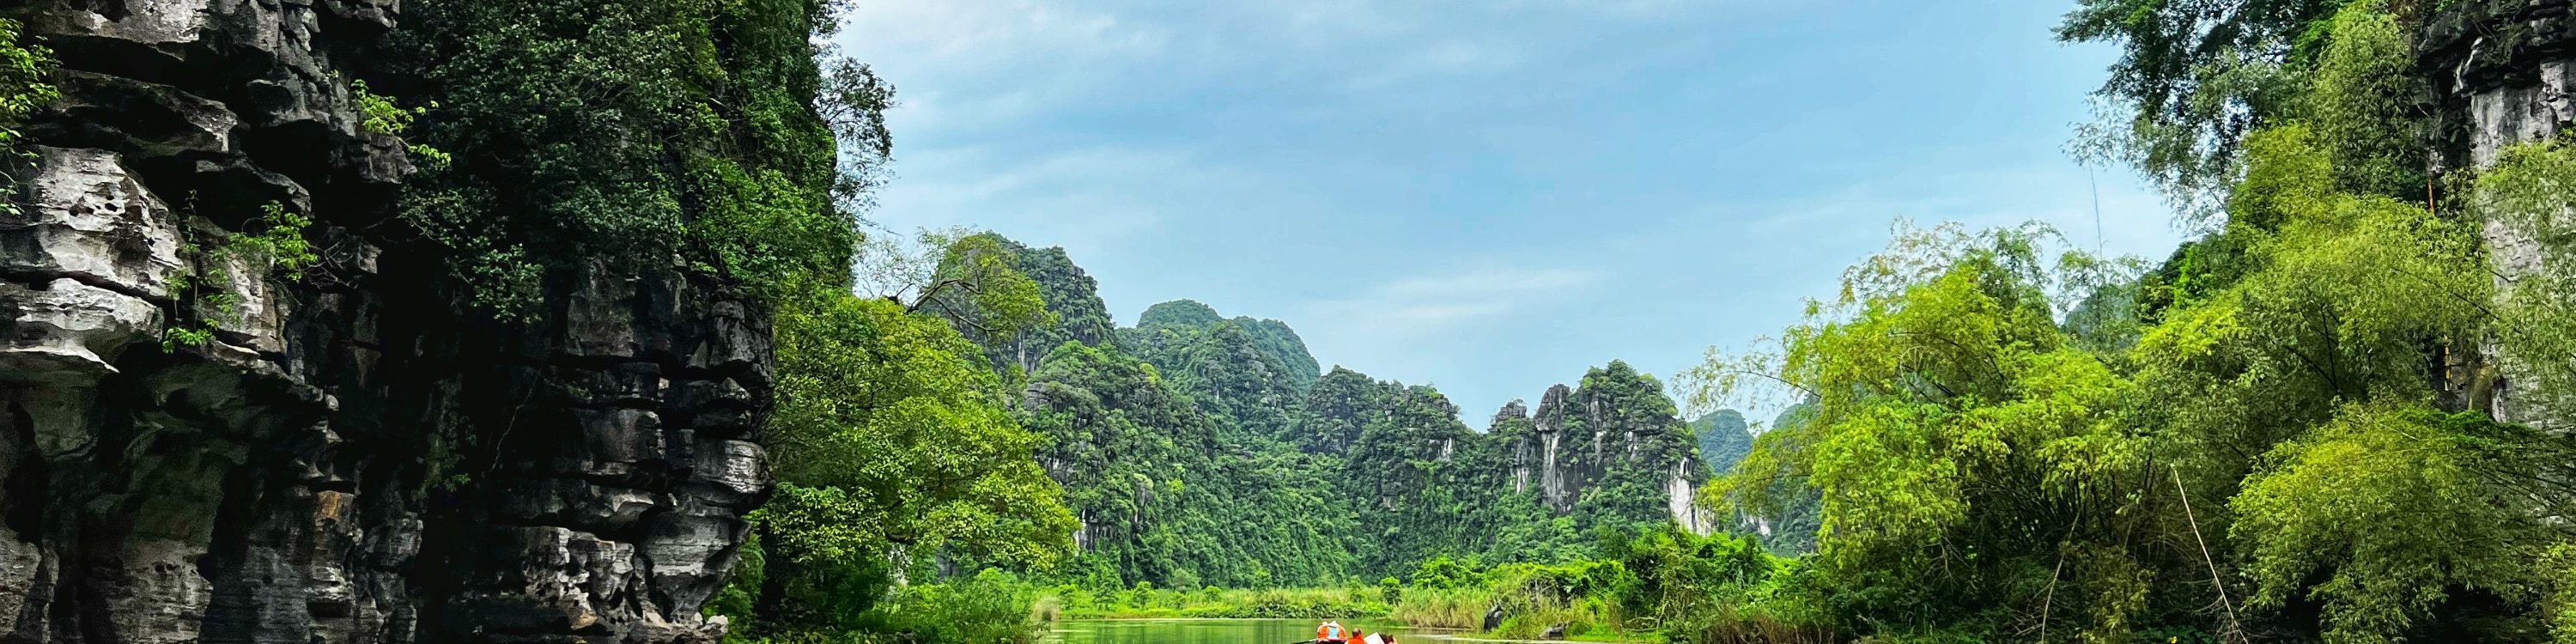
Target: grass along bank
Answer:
[[1147, 602]]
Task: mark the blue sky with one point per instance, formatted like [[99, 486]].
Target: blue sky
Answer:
[[1487, 195]]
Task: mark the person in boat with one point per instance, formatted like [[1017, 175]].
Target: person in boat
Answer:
[[1331, 631]]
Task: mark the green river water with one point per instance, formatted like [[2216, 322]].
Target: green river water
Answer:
[[1214, 631]]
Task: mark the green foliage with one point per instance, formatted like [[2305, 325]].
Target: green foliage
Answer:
[[24, 70], [381, 115], [1949, 407], [1184, 313], [1723, 439], [1167, 330], [1441, 572], [1144, 601], [978, 285], [633, 131], [740, 596], [2336, 302], [1989, 428], [1194, 451], [1422, 483], [207, 290], [894, 445], [2194, 76], [2525, 196], [991, 607], [1162, 498], [1628, 490], [1276, 339], [2396, 509], [2360, 102], [1067, 293], [891, 433], [280, 244]]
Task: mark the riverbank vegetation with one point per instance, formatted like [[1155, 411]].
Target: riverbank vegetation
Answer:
[[1145, 601], [2293, 429]]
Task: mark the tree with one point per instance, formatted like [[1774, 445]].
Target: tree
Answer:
[[2194, 77], [972, 279], [627, 133], [889, 424], [1960, 440]]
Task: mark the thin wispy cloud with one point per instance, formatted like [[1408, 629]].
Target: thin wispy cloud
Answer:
[[1412, 307]]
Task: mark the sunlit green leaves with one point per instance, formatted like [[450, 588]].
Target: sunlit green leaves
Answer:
[[896, 426], [2194, 76], [1950, 412], [2395, 508], [630, 132], [2361, 100]]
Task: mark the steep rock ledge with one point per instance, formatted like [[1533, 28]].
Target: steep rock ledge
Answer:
[[354, 459]]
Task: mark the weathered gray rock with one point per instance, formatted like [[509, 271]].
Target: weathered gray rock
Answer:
[[1581, 439], [66, 333], [89, 219], [353, 458], [2500, 74]]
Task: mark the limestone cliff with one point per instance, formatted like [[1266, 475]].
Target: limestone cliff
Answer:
[[1616, 431], [353, 458], [2499, 71]]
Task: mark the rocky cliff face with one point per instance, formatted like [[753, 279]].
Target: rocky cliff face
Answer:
[[352, 458], [2499, 70], [1616, 430]]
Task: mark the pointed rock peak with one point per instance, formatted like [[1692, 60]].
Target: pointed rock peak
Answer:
[[1552, 407], [1555, 396], [1511, 411]]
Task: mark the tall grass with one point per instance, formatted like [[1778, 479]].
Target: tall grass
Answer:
[[1148, 602], [1444, 607], [1533, 599], [1733, 624], [988, 608]]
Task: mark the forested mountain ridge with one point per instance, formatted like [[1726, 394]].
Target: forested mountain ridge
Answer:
[[1272, 336], [1724, 437], [1202, 449], [1066, 290]]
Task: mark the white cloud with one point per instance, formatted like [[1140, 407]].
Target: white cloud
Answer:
[[1405, 309], [1449, 58], [1082, 196]]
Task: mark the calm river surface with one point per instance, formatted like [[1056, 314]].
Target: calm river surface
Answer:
[[1212, 631]]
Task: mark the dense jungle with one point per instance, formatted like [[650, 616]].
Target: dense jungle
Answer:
[[557, 321]]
